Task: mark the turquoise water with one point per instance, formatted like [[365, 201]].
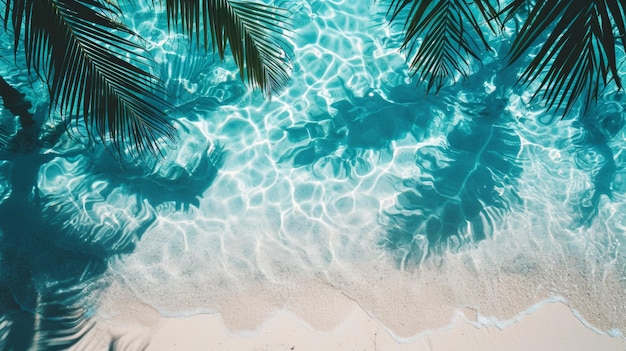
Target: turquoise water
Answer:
[[351, 177]]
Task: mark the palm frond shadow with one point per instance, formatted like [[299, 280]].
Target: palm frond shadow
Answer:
[[53, 326], [594, 154], [16, 103], [5, 137], [41, 281], [53, 253], [194, 85], [180, 178], [465, 185], [464, 191], [120, 344], [55, 245], [336, 143]]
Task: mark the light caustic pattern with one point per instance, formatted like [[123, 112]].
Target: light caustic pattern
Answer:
[[354, 178]]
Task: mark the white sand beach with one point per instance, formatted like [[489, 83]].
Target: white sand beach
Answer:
[[551, 327]]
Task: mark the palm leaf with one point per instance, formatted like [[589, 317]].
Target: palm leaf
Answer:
[[93, 69], [440, 35], [577, 60], [254, 31]]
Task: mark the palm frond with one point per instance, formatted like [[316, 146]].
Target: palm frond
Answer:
[[255, 32], [93, 70], [440, 36], [578, 58], [465, 188]]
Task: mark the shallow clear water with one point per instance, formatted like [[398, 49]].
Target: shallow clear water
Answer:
[[351, 178]]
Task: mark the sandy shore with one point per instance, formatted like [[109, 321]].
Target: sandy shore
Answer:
[[548, 326]]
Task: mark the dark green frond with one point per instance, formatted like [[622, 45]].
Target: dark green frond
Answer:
[[440, 36], [578, 58], [93, 70], [254, 31], [512, 9], [489, 12]]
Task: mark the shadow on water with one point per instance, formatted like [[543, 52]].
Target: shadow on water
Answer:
[[594, 155], [338, 139], [463, 189], [54, 243], [195, 85], [464, 186], [37, 300]]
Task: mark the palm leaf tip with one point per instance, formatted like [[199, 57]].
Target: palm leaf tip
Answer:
[[257, 35]]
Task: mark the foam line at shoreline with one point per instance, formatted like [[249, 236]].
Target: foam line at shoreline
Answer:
[[547, 325]]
